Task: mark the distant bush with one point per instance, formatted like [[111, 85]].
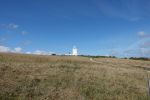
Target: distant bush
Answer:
[[140, 58], [90, 56], [53, 54]]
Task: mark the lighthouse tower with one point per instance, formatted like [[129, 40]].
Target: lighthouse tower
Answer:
[[74, 51]]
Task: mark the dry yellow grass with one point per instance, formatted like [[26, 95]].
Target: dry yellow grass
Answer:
[[30, 77]]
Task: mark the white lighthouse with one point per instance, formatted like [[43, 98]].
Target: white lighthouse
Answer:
[[74, 51]]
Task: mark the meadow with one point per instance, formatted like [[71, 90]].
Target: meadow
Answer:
[[32, 77]]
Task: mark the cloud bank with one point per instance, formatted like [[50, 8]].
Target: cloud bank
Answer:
[[40, 52], [9, 50], [5, 49]]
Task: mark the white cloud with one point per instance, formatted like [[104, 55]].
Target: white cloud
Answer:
[[140, 52], [145, 44], [17, 50], [4, 49], [140, 48], [40, 52], [24, 32], [28, 52], [7, 49], [145, 52], [12, 26], [9, 26], [142, 34]]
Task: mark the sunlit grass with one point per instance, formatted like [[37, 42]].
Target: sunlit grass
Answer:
[[30, 77]]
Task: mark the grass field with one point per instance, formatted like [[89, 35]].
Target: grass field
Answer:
[[30, 77]]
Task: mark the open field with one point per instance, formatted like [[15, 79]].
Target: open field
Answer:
[[30, 77]]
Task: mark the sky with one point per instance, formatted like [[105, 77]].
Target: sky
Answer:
[[96, 27]]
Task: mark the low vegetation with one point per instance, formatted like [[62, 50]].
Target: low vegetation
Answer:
[[140, 58], [30, 77]]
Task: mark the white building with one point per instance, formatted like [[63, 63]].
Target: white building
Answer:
[[74, 51]]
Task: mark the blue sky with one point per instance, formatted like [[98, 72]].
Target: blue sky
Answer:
[[95, 27]]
